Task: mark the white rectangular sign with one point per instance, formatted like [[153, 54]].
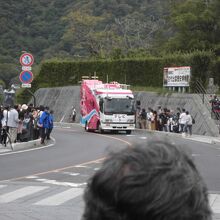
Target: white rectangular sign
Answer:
[[26, 68], [176, 76], [25, 85]]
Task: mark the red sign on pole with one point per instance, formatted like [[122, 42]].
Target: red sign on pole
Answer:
[[26, 59], [26, 77]]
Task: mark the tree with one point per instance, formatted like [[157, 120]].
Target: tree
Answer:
[[7, 72], [194, 25], [79, 34]]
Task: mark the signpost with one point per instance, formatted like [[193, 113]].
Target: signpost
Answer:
[[177, 77], [26, 76], [26, 59]]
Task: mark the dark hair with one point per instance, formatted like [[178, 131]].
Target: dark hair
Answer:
[[155, 181], [41, 108]]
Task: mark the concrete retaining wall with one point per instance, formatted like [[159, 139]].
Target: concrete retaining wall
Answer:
[[61, 100]]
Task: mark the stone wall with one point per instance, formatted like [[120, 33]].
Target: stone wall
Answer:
[[61, 100]]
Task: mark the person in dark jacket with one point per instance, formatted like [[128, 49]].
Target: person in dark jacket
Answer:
[[44, 124], [51, 120]]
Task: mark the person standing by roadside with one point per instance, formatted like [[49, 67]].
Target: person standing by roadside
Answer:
[[4, 122], [149, 116], [143, 117], [51, 120], [13, 123], [1, 117], [36, 117], [73, 114], [44, 124], [154, 122], [188, 125], [182, 120]]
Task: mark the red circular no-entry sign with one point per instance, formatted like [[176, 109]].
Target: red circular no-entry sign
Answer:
[[26, 59]]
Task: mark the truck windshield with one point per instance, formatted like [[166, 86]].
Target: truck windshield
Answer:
[[119, 106]]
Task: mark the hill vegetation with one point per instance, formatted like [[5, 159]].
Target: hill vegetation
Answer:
[[100, 29]]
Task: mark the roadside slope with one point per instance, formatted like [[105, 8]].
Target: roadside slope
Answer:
[[61, 100]]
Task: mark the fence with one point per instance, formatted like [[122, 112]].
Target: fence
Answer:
[[205, 97]]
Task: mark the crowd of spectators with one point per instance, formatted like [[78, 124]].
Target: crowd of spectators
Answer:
[[25, 123], [164, 119]]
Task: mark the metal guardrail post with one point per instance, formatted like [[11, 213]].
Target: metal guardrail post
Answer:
[[32, 94], [205, 100]]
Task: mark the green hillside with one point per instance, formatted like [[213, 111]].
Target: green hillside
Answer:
[[82, 29]]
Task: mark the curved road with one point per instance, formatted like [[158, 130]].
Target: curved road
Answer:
[[69, 163]]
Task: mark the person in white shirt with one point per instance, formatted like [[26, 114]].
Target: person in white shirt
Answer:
[[188, 124], [182, 120], [13, 123], [4, 123]]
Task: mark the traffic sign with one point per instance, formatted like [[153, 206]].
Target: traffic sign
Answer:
[[26, 85], [26, 59], [29, 68], [26, 77]]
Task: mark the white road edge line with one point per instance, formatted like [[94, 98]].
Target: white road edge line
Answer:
[[19, 193], [62, 197], [27, 150]]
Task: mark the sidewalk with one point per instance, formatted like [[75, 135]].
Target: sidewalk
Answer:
[[20, 146]]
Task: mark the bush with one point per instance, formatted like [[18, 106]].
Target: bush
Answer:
[[146, 71]]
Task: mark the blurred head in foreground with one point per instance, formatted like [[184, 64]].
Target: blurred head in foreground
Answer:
[[151, 181]]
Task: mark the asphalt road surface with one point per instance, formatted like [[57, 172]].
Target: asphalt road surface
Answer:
[[48, 183]]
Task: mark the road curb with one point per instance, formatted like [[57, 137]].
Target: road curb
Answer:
[[27, 145], [199, 138], [33, 144]]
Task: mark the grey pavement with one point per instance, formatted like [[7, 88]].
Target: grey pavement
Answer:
[[215, 141]]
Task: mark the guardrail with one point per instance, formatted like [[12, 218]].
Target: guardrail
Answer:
[[205, 96]]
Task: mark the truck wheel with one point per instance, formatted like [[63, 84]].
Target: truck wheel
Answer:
[[101, 131], [87, 127]]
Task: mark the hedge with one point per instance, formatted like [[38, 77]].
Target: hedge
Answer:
[[146, 71]]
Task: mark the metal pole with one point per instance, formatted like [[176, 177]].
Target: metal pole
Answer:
[[32, 96]]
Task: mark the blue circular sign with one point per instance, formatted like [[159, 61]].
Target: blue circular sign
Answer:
[[26, 77]]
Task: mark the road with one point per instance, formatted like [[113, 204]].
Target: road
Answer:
[[49, 183]]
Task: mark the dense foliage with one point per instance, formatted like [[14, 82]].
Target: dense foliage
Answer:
[[139, 71], [106, 29]]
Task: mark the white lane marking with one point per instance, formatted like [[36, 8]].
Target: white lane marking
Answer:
[[27, 150], [196, 155], [62, 197], [212, 198], [81, 166], [31, 177], [96, 169], [61, 120], [2, 186], [12, 196], [214, 201], [54, 182], [143, 138], [71, 174]]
